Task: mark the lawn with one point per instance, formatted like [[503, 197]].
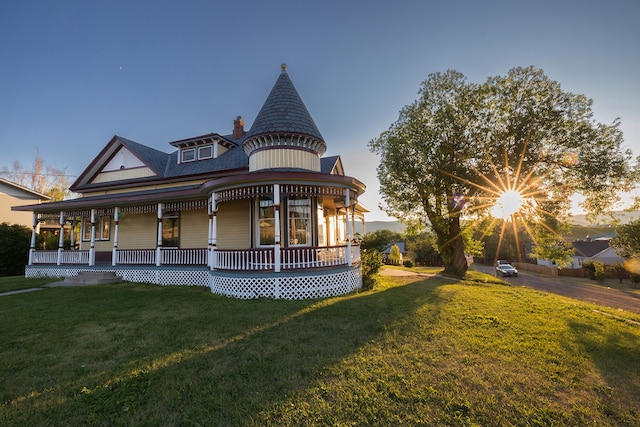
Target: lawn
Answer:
[[17, 283], [414, 351]]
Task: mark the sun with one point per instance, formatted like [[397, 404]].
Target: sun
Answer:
[[507, 203]]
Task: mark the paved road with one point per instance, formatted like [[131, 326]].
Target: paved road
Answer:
[[601, 295]]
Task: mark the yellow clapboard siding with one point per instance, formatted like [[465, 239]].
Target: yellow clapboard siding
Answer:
[[284, 158], [137, 231], [194, 228], [119, 175], [234, 225]]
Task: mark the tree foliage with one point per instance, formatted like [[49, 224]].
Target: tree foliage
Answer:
[[459, 145], [626, 244], [395, 257], [380, 240], [40, 177], [421, 249], [14, 249]]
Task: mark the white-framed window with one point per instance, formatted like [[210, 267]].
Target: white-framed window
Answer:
[[205, 152], [266, 222], [188, 155], [299, 220], [103, 228]]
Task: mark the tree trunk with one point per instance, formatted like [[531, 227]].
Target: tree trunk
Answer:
[[455, 262]]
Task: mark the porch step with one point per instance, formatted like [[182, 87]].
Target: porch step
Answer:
[[94, 278]]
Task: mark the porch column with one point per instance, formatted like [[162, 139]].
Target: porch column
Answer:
[[213, 231], [347, 204], [72, 236], [159, 242], [32, 248], [60, 239], [92, 247], [276, 247], [116, 218]]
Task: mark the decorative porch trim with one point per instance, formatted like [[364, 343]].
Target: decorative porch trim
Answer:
[[288, 189], [244, 192]]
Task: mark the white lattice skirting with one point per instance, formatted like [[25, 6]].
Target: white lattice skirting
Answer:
[[176, 276], [303, 285], [317, 284]]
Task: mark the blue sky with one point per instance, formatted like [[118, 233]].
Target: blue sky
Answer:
[[75, 73]]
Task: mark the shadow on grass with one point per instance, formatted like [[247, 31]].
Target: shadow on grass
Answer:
[[616, 355], [241, 358]]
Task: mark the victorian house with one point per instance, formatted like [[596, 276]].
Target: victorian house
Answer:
[[251, 214]]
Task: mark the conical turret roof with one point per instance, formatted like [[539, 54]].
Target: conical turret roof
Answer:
[[284, 112]]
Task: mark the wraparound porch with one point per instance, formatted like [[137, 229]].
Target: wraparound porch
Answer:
[[301, 284]]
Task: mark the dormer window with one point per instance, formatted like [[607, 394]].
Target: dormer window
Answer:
[[188, 155], [205, 152], [202, 147]]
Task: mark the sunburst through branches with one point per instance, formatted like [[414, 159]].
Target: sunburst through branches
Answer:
[[511, 199], [508, 203]]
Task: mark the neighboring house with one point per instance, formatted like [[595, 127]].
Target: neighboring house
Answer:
[[387, 251], [589, 250], [12, 194], [250, 214]]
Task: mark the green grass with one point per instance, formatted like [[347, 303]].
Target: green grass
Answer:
[[414, 351], [17, 283]]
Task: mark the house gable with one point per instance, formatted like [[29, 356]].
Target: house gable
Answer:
[[122, 166], [121, 160], [332, 165]]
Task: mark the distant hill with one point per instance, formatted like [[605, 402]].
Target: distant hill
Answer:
[[622, 216], [581, 228], [395, 226]]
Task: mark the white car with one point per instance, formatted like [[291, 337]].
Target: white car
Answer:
[[506, 270]]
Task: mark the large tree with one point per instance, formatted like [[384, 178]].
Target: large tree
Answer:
[[40, 177], [454, 151]]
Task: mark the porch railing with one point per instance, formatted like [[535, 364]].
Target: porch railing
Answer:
[[167, 256], [224, 259], [244, 259], [45, 257], [74, 257], [183, 257], [290, 258], [135, 256]]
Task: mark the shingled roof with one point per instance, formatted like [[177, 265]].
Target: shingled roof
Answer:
[[284, 112]]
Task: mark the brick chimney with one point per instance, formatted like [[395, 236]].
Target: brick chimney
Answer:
[[238, 128]]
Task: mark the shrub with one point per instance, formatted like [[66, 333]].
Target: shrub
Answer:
[[14, 249], [599, 271], [371, 264], [408, 263], [591, 269], [617, 271]]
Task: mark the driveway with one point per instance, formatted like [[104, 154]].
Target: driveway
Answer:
[[595, 294]]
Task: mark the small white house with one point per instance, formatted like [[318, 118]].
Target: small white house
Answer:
[[589, 250]]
